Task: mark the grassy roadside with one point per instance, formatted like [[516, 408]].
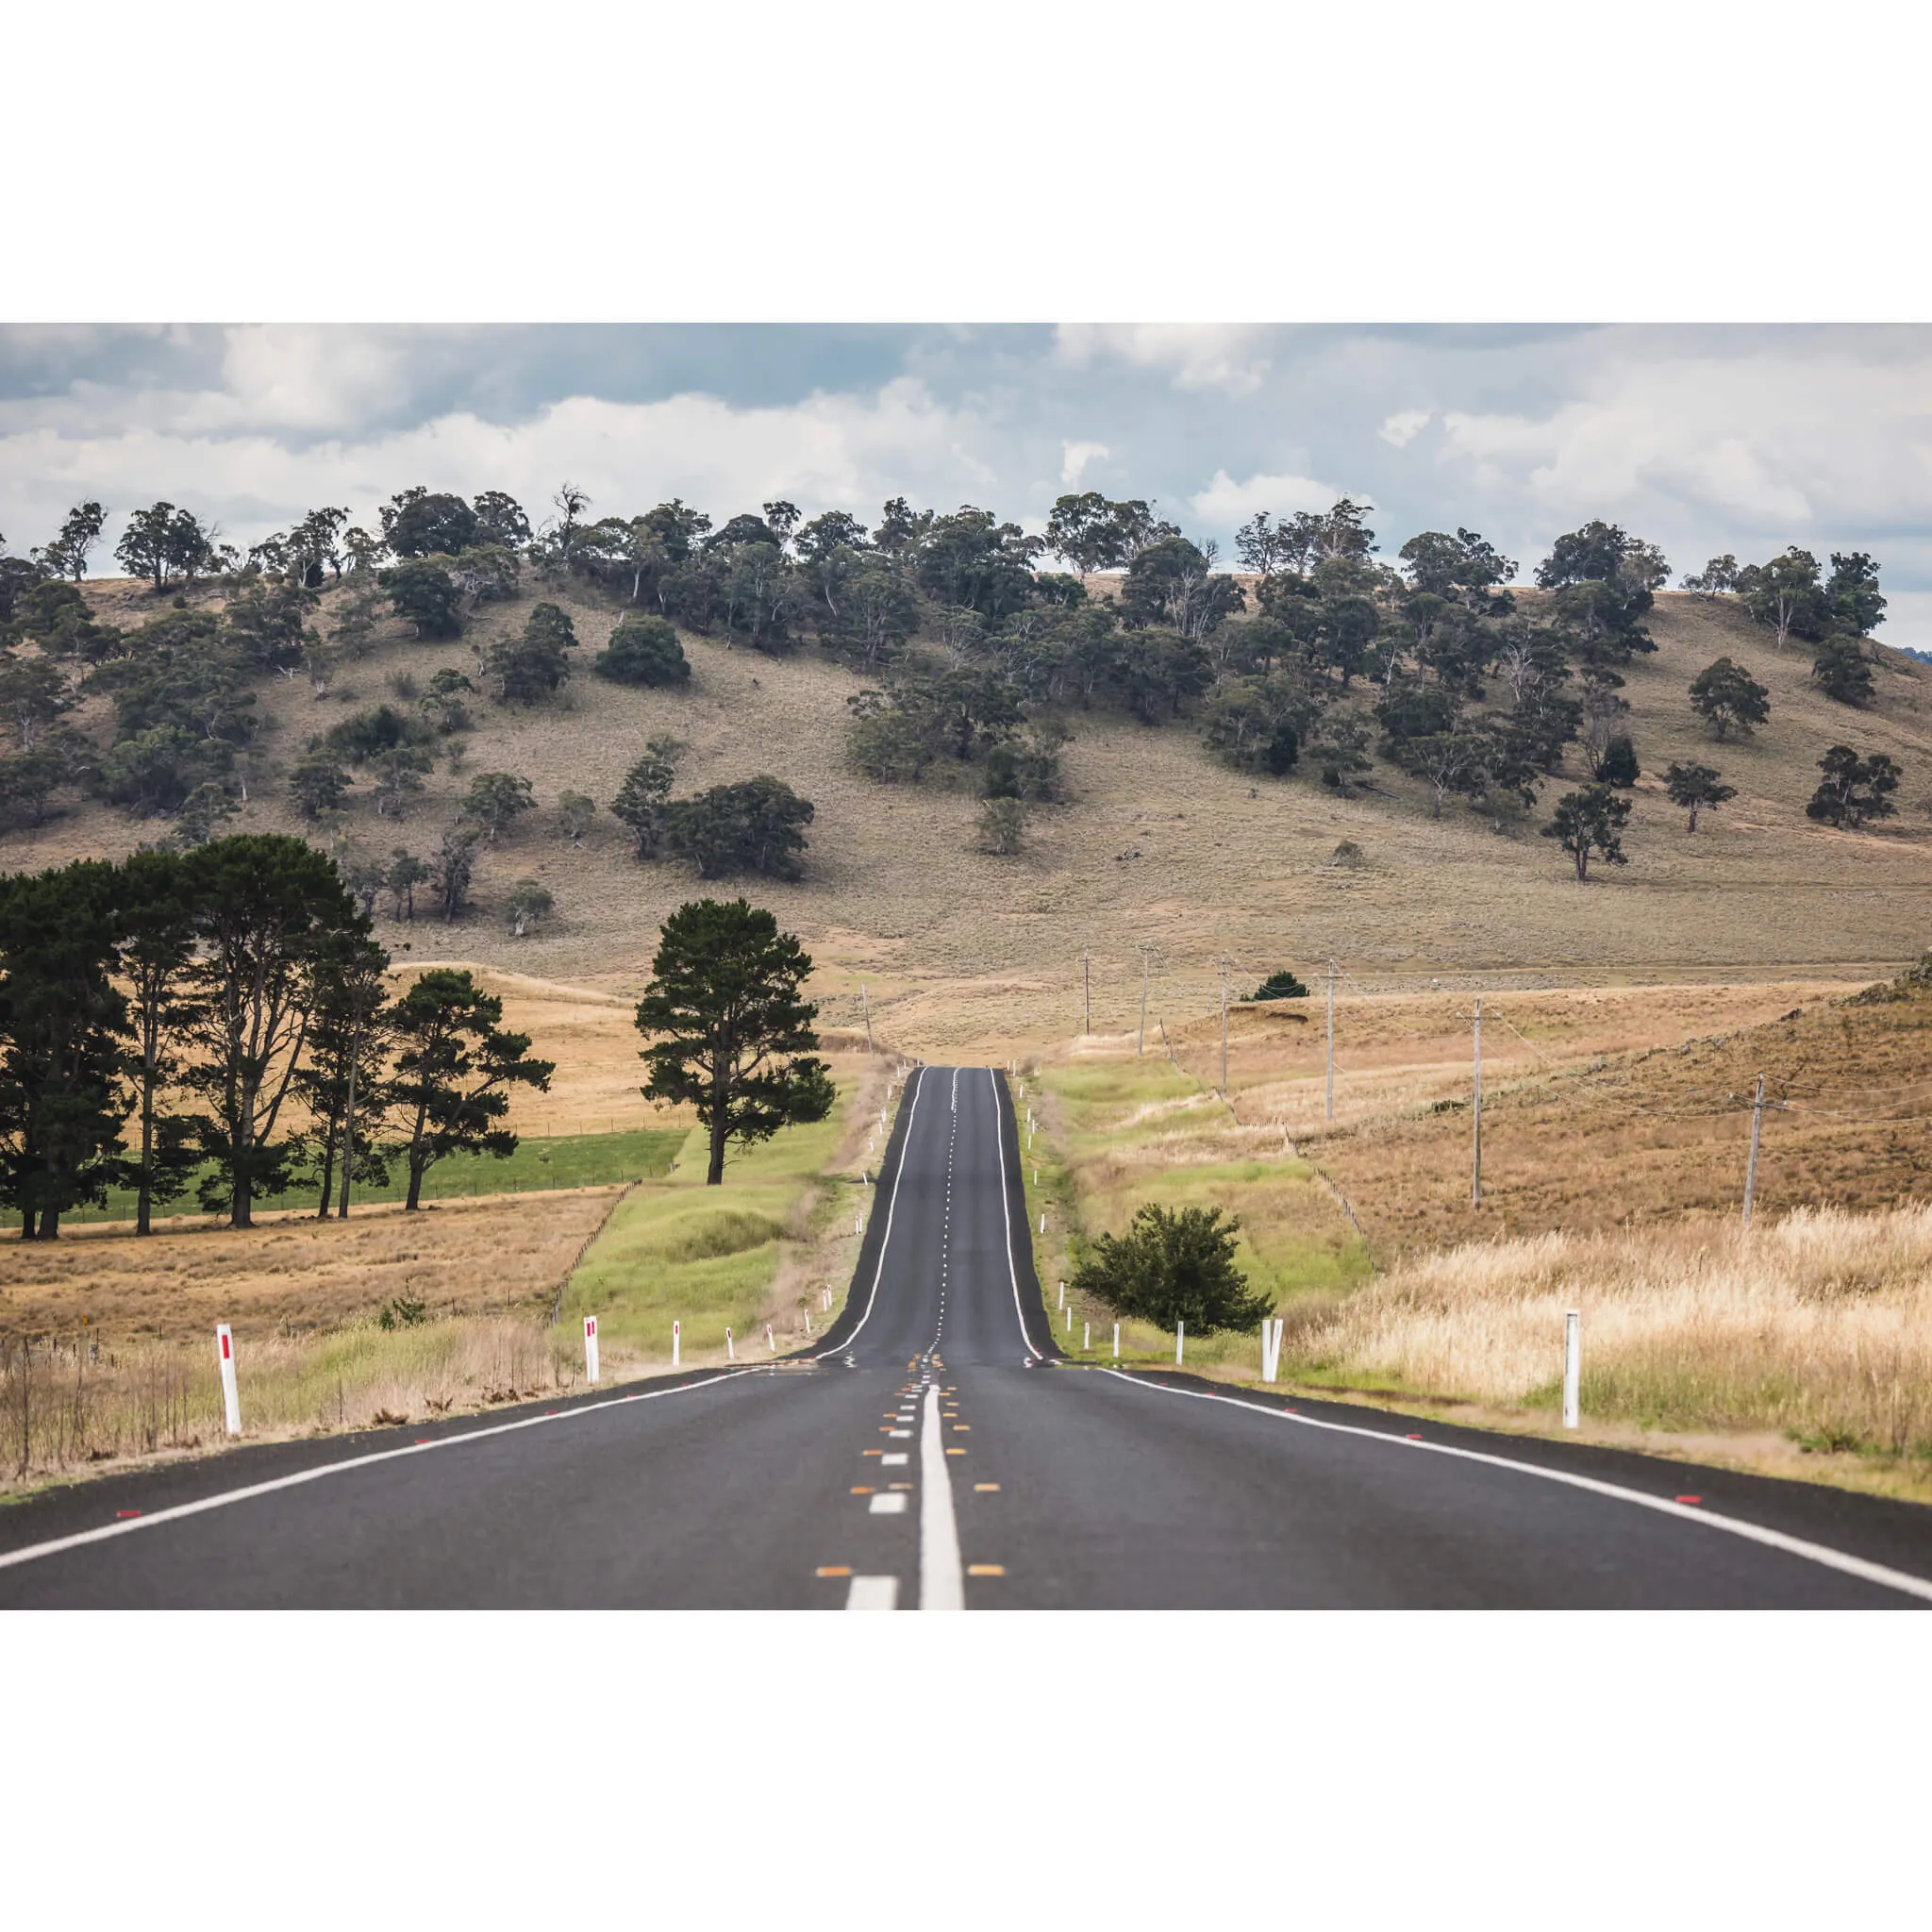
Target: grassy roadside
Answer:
[[762, 1248], [1108, 1135], [1802, 1349]]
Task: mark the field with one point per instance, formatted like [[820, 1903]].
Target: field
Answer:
[[1158, 845], [107, 1349], [1616, 1128]]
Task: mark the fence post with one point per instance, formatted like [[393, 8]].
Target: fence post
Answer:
[[589, 1348], [231, 1400], [1572, 1365]]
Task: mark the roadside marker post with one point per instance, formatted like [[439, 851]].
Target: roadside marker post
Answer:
[[1180, 1336], [1042, 1221], [1573, 1366], [807, 1313], [730, 1347], [1270, 1349], [1085, 1337], [1067, 1326], [1063, 1295], [1116, 1341], [677, 1337], [589, 1348], [768, 1342], [231, 1400]]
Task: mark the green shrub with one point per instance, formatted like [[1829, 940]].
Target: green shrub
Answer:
[[1281, 986], [642, 650], [1173, 1265]]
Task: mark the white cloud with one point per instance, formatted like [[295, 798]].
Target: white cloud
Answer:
[[1195, 356], [843, 450], [1792, 439], [1225, 503], [1074, 456], [1404, 427]]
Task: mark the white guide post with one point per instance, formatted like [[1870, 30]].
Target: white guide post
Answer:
[[231, 1401], [807, 1313], [857, 1224], [1086, 1337], [589, 1348], [1573, 1366], [1042, 1221], [730, 1347], [1062, 1302], [1270, 1349], [676, 1342], [1067, 1326], [1180, 1337], [768, 1342], [1116, 1341]]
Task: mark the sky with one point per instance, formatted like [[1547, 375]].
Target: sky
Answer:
[[1703, 438]]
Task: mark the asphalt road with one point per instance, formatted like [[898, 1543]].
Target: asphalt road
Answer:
[[933, 1451]]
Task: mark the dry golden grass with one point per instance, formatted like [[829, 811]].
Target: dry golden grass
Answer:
[[1817, 1325], [968, 953], [293, 1275], [66, 1408], [1605, 1107]]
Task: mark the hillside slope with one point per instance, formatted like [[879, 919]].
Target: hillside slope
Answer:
[[1157, 845]]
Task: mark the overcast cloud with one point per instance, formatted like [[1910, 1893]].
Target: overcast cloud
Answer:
[[1700, 439]]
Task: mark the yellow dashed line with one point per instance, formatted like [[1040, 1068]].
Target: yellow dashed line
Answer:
[[956, 1452], [985, 1569], [986, 1486], [860, 1489], [835, 1570], [874, 1452]]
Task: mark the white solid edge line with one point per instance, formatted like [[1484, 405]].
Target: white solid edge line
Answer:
[[884, 1240], [1007, 1211], [942, 1583], [1735, 1525], [32, 1551]]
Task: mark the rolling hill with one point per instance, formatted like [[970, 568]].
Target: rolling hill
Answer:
[[1157, 845]]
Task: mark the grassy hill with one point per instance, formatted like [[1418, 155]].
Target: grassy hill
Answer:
[[1157, 845]]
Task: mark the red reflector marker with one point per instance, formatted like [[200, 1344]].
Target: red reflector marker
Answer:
[[1689, 1499], [127, 1512], [1411, 1439]]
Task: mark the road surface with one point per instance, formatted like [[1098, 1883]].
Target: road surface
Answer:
[[933, 1451]]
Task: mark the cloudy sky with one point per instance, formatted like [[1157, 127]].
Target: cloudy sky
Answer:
[[1702, 439]]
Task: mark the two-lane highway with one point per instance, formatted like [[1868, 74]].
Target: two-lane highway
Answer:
[[934, 1451]]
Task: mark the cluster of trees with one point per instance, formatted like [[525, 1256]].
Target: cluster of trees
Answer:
[[976, 649], [756, 826], [221, 1018], [1834, 613]]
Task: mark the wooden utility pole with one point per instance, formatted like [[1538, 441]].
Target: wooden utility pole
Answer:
[[1751, 1166], [1142, 1046], [1476, 1183], [1086, 994], [1223, 1025], [865, 1006], [1331, 1036]]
